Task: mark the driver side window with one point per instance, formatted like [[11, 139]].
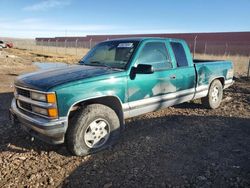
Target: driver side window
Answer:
[[155, 54]]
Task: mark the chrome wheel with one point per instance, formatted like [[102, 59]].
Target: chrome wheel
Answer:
[[97, 133], [215, 94]]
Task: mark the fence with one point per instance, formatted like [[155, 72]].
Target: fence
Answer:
[[239, 53], [200, 47], [63, 48]]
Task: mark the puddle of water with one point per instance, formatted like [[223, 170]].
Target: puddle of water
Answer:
[[47, 65]]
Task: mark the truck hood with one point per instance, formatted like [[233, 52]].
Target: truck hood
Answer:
[[44, 80]]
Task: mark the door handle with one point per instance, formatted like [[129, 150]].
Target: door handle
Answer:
[[172, 77]]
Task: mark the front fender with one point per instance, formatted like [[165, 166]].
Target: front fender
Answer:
[[79, 92]]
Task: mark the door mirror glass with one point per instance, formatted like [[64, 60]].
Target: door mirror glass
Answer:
[[144, 69]]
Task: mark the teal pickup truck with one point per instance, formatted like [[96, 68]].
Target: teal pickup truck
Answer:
[[85, 105]]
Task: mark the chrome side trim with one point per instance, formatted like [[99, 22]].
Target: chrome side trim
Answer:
[[201, 91], [139, 107], [156, 106], [202, 88], [228, 83], [125, 106], [161, 98], [201, 94]]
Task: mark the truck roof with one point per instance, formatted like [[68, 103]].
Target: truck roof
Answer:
[[139, 39]]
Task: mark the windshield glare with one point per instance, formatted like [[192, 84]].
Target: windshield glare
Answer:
[[114, 54]]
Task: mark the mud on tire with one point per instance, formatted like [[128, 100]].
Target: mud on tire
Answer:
[[93, 128]]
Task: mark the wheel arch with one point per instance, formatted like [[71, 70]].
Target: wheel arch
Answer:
[[111, 101], [220, 78]]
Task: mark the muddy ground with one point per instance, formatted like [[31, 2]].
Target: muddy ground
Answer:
[[182, 146]]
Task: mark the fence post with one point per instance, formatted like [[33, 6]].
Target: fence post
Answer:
[[226, 47], [248, 71], [56, 46], [48, 45], [195, 45], [205, 51], [90, 41], [65, 46], [76, 46], [42, 45]]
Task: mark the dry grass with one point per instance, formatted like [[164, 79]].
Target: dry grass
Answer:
[[38, 55], [50, 50], [241, 63]]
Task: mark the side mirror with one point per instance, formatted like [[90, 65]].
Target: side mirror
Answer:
[[144, 69]]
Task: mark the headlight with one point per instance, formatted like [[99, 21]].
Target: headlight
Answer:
[[38, 96], [50, 97], [52, 111], [39, 110]]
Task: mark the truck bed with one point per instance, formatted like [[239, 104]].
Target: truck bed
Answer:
[[207, 70], [205, 61]]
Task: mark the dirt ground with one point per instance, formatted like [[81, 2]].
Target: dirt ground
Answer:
[[181, 146]]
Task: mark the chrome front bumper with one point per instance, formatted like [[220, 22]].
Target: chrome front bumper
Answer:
[[51, 131]]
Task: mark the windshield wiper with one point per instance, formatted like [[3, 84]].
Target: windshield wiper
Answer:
[[92, 63]]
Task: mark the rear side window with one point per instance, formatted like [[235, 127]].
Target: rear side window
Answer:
[[155, 54], [180, 55]]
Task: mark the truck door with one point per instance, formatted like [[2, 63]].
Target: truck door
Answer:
[[149, 89], [185, 77]]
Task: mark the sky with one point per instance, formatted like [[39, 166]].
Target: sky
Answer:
[[50, 18]]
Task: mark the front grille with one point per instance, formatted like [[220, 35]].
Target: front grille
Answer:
[[23, 92], [25, 106], [26, 103]]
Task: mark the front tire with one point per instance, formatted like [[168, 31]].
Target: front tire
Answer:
[[92, 129], [214, 97]]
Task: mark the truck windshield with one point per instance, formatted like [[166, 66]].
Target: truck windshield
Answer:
[[113, 54]]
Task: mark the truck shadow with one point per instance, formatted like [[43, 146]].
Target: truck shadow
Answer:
[[189, 105], [175, 150]]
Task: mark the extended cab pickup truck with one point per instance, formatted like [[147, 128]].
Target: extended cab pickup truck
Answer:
[[85, 105]]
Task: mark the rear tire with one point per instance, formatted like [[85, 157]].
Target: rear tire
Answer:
[[214, 97], [92, 129]]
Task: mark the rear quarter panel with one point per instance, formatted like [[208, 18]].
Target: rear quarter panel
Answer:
[[208, 71]]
